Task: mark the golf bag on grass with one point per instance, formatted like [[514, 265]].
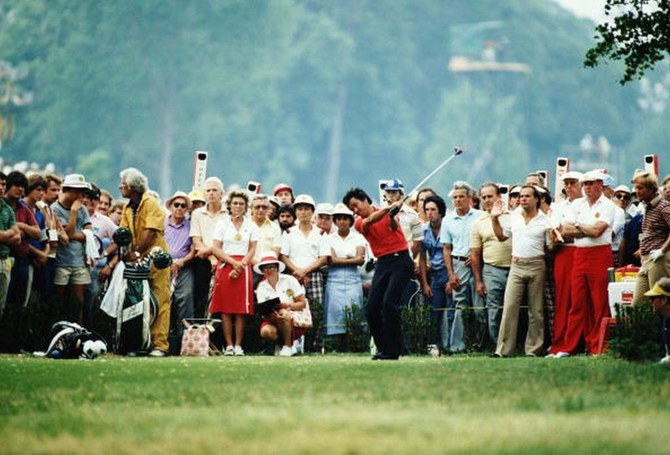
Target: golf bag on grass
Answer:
[[72, 341]]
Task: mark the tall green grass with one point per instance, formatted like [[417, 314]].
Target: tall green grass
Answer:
[[332, 404]]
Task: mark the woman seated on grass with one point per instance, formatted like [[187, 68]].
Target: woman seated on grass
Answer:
[[277, 326]]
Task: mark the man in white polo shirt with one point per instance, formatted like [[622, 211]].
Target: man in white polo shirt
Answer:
[[529, 230], [563, 258], [589, 221], [203, 221]]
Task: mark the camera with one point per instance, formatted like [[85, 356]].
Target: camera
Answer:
[[253, 187]]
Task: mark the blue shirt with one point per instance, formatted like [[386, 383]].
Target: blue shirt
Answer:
[[72, 254], [432, 245], [456, 231]]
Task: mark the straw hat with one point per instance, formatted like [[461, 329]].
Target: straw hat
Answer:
[[178, 194]]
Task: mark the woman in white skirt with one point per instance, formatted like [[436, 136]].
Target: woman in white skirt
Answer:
[[343, 287]]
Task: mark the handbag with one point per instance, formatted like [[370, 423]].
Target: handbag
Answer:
[[302, 318], [195, 340]]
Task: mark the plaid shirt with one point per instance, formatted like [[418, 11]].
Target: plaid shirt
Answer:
[[7, 220]]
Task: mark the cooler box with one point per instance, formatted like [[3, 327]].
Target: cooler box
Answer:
[[621, 293], [627, 273]]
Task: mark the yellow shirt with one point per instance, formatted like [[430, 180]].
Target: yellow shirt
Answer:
[[149, 215], [495, 252]]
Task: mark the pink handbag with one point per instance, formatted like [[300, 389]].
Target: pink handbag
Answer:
[[195, 340]]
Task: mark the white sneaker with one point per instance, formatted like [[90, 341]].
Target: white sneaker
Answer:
[[562, 355], [433, 350], [277, 349], [550, 356], [665, 359], [157, 353], [286, 351], [238, 351], [229, 351]]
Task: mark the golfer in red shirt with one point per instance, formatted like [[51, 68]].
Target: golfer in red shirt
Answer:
[[392, 272]]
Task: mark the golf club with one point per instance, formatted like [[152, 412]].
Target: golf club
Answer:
[[457, 151]]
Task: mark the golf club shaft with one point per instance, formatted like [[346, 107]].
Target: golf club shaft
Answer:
[[457, 151]]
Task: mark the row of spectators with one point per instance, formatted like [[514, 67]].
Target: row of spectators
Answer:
[[485, 252]]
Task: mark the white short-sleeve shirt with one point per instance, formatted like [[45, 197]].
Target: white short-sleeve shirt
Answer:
[[303, 249], [269, 238], [235, 242], [344, 247], [287, 289], [585, 214], [203, 224], [528, 240]]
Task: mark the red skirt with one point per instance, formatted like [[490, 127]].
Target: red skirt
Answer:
[[232, 296]]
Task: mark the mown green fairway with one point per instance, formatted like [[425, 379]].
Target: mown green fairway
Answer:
[[333, 404]]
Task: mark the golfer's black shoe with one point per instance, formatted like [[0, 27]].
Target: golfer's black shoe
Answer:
[[382, 356]]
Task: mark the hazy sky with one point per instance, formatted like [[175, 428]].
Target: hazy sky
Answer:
[[592, 9]]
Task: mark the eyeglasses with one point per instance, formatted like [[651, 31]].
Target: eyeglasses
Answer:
[[238, 203], [262, 207], [622, 196], [179, 205]]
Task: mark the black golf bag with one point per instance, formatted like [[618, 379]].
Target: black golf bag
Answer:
[[72, 341], [135, 316]]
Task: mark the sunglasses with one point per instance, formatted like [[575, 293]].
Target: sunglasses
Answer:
[[179, 205], [263, 207], [622, 196]]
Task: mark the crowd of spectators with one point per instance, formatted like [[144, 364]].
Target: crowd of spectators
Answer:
[[488, 252]]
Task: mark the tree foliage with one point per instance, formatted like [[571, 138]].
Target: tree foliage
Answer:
[[639, 34], [309, 92]]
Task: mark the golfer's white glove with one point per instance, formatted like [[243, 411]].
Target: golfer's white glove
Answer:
[[655, 255]]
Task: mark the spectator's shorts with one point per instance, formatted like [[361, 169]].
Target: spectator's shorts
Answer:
[[71, 275]]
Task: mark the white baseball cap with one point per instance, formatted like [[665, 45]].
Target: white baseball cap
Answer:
[[592, 176], [304, 199], [324, 208], [572, 175]]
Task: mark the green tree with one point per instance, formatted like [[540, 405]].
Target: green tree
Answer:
[[639, 34]]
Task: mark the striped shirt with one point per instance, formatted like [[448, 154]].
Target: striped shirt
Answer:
[[178, 238], [655, 225]]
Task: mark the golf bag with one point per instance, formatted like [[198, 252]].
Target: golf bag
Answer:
[[136, 314], [72, 341], [129, 298]]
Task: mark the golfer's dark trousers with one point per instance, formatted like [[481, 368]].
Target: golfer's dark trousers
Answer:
[[392, 273]]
